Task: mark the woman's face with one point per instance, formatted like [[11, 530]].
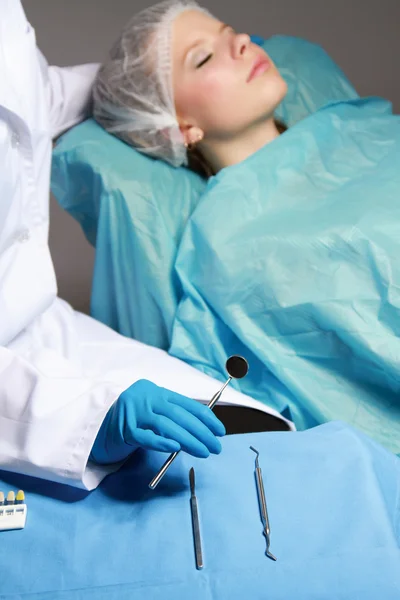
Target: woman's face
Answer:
[[223, 84]]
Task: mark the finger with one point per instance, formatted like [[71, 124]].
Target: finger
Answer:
[[201, 411], [192, 425], [169, 429], [150, 440]]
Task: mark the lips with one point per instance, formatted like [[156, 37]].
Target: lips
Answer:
[[260, 65]]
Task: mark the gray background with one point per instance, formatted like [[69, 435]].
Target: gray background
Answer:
[[362, 36]]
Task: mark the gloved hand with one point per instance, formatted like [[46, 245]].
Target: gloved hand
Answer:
[[155, 418]]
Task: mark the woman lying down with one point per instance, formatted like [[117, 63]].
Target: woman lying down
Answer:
[[291, 258]]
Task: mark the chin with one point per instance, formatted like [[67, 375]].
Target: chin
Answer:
[[284, 89], [273, 93]]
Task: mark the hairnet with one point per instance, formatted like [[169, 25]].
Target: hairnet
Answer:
[[133, 93]]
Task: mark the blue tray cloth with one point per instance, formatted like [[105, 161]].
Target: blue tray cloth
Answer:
[[333, 499]]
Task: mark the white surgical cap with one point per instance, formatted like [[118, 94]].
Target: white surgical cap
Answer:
[[133, 93]]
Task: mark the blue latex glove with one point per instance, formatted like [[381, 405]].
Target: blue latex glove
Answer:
[[155, 418]]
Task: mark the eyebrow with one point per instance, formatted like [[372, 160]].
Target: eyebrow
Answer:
[[197, 42]]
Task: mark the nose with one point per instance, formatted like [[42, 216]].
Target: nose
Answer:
[[241, 44]]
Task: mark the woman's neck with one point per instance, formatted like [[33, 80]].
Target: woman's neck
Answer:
[[223, 153]]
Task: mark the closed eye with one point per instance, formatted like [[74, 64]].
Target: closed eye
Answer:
[[203, 62]]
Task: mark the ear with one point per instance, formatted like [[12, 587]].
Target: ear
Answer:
[[191, 134]]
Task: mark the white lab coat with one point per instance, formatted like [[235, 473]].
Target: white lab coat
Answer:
[[60, 371]]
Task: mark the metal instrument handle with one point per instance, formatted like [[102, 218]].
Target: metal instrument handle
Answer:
[[156, 480], [262, 501], [196, 533]]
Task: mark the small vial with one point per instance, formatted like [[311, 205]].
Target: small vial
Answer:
[[10, 498], [20, 497]]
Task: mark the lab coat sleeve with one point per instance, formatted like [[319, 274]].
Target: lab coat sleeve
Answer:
[[50, 431], [69, 93]]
